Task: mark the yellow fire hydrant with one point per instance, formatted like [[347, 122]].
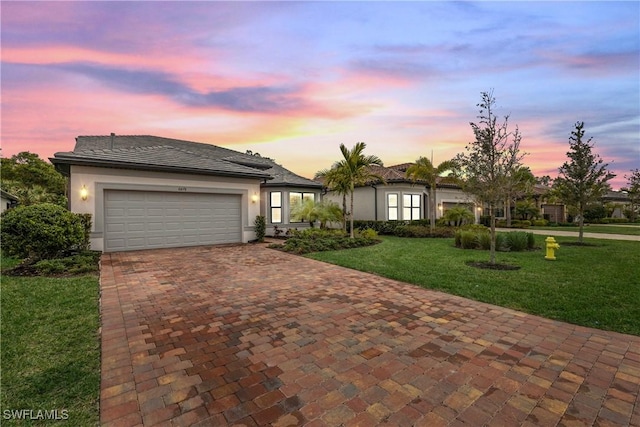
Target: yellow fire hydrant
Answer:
[[551, 247]]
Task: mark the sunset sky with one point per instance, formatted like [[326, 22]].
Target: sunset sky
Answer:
[[294, 80]]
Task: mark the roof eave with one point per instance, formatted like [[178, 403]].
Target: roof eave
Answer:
[[62, 164]]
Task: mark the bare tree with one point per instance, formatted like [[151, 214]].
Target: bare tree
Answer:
[[490, 161], [583, 178]]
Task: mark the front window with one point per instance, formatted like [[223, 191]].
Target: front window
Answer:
[[276, 207], [411, 206], [296, 199], [392, 206]]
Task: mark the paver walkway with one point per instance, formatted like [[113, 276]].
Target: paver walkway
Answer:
[[245, 335]]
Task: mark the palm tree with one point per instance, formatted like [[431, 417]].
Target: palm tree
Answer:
[[351, 171], [424, 170], [356, 166], [336, 179]]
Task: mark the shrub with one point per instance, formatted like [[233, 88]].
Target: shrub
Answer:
[[41, 231], [85, 219], [382, 227], [484, 241], [501, 242], [317, 240], [423, 231], [367, 233], [260, 227], [517, 241], [479, 228], [540, 223], [468, 239], [84, 262]]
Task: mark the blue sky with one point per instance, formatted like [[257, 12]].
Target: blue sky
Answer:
[[293, 80]]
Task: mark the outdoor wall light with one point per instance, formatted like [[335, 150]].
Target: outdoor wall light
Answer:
[[254, 198], [84, 193]]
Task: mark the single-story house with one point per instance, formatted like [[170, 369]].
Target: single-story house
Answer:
[[399, 198], [147, 192], [7, 201]]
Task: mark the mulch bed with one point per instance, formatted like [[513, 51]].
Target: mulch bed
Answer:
[[488, 266]]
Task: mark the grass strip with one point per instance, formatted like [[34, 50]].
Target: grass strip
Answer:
[[50, 348], [596, 286]]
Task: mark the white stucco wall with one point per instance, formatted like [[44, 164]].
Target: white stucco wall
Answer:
[[97, 180]]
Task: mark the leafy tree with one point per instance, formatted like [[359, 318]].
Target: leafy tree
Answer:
[[423, 169], [583, 178], [33, 180], [353, 170], [520, 183], [490, 161], [633, 192]]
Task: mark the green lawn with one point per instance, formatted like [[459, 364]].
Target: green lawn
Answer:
[[596, 286], [633, 230], [50, 348]]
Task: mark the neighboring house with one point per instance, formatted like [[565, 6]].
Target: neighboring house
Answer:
[[7, 201], [619, 201], [400, 198], [151, 192]]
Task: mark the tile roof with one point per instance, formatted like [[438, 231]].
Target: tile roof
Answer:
[[166, 154]]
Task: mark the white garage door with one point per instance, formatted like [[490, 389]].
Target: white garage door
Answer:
[[147, 220]]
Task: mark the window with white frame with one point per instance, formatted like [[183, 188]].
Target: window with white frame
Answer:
[[392, 206], [296, 199], [276, 207], [411, 206]]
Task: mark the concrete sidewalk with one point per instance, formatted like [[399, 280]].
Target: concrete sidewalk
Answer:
[[575, 234]]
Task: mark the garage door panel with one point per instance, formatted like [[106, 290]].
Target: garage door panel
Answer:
[[139, 220]]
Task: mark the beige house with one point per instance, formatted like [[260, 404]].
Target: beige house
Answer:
[[146, 192], [402, 199]]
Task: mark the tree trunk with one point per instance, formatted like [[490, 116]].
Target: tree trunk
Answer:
[[432, 210], [351, 216], [581, 224], [344, 213], [507, 210], [492, 222]]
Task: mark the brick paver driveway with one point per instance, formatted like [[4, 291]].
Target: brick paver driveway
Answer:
[[245, 335]]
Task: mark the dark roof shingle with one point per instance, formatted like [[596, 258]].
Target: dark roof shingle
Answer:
[[167, 154]]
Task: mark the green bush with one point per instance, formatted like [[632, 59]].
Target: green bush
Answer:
[[367, 233], [517, 241], [260, 227], [540, 223], [423, 231], [42, 231], [85, 219], [306, 241], [480, 238], [382, 227], [501, 242], [468, 239], [484, 241]]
